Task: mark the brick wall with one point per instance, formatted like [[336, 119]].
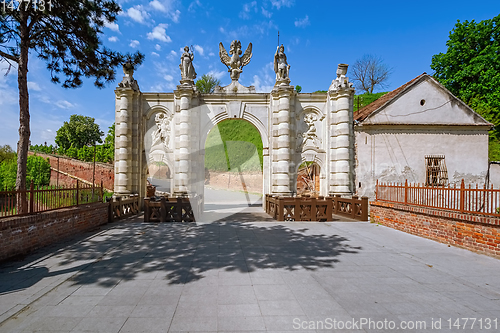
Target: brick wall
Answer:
[[473, 232], [21, 235], [79, 169]]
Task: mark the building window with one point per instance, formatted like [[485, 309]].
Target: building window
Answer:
[[436, 173]]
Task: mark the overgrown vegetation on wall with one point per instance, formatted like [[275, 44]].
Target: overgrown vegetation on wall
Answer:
[[233, 145], [38, 170]]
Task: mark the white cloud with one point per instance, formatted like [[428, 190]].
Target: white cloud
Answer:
[[264, 82], [282, 3], [221, 29], [112, 25], [134, 43], [266, 13], [247, 8], [193, 5], [175, 15], [160, 33], [64, 105], [158, 5], [199, 49], [34, 86], [168, 77], [302, 22], [217, 74], [158, 47], [211, 54], [138, 14], [155, 54], [172, 55], [113, 39]]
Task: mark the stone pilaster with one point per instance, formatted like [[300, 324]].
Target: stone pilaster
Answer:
[[281, 150], [183, 141], [341, 156], [123, 142], [126, 132]]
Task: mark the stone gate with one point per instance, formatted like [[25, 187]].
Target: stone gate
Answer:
[[170, 129]]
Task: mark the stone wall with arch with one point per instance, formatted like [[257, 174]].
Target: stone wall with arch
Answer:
[[294, 128]]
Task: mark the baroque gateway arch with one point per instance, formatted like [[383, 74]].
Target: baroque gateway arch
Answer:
[[171, 128]]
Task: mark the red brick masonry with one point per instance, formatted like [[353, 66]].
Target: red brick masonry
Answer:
[[472, 232], [21, 235]]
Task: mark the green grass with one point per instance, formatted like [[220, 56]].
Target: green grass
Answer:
[[233, 145], [365, 99]]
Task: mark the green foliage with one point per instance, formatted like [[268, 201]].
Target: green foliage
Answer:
[[234, 145], [363, 100], [8, 170], [298, 88], [207, 83], [470, 69], [43, 149], [110, 138], [78, 132], [6, 153], [38, 170]]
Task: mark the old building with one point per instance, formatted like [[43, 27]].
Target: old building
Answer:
[[422, 133]]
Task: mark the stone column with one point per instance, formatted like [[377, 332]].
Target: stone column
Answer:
[[183, 151], [341, 160], [281, 150], [123, 147], [126, 97]]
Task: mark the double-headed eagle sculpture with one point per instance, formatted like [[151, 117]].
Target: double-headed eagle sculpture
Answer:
[[234, 62]]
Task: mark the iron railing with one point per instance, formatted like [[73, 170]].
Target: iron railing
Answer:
[[463, 199], [46, 198]]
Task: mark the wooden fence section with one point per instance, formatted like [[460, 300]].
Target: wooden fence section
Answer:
[[120, 207], [47, 198], [316, 209], [463, 199], [169, 209]]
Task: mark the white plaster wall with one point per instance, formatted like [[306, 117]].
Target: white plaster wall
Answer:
[[393, 154], [440, 107]]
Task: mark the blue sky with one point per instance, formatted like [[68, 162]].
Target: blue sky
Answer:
[[317, 36]]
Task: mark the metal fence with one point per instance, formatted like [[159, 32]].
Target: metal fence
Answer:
[[463, 199], [45, 198]]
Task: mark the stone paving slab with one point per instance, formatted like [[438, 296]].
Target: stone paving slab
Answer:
[[232, 276]]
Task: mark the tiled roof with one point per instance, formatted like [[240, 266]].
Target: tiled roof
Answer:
[[364, 112]]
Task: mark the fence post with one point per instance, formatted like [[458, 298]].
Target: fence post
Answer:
[[462, 196], [111, 210], [280, 209], [32, 197], [77, 192], [102, 191], [406, 191], [376, 191], [364, 208], [313, 209], [354, 200]]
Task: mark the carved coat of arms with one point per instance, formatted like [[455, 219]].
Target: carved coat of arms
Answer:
[[234, 62]]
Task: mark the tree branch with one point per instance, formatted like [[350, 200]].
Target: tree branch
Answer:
[[9, 56]]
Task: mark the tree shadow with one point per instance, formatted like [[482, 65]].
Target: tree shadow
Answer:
[[185, 252]]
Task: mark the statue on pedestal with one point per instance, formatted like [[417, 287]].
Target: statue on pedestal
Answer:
[[235, 63], [281, 67], [187, 69]]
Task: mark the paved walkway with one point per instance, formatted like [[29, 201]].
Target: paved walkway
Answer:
[[248, 276]]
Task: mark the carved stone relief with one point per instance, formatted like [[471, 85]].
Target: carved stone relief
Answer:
[[309, 138]]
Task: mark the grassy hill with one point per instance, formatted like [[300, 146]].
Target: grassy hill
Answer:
[[363, 100], [233, 145]]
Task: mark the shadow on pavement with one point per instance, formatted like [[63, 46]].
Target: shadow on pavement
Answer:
[[182, 252]]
